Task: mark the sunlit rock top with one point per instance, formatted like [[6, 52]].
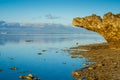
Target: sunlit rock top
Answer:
[[108, 27]]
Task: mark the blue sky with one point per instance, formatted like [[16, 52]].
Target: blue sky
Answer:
[[54, 11]]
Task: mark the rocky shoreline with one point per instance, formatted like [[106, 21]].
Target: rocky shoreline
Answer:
[[107, 65]]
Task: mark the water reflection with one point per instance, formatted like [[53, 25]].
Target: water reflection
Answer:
[[51, 38], [41, 55]]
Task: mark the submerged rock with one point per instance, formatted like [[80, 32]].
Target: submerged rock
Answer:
[[11, 58], [39, 53], [44, 50], [63, 62], [13, 68]]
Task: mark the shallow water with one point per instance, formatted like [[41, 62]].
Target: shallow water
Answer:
[[42, 55]]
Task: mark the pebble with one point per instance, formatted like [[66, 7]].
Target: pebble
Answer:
[[79, 79], [90, 68], [80, 56], [75, 74], [99, 65]]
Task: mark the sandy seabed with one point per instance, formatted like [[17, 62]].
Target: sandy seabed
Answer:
[[107, 65]]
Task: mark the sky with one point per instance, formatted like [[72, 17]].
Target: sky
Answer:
[[54, 11]]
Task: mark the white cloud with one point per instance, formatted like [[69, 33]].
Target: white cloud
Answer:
[[49, 16]]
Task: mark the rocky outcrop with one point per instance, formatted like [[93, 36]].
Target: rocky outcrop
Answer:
[[108, 27]]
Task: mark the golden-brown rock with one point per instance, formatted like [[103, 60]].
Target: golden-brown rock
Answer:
[[108, 27], [75, 74]]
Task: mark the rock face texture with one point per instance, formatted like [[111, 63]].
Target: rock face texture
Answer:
[[108, 27]]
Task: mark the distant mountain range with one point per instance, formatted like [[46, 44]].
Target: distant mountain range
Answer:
[[46, 28]]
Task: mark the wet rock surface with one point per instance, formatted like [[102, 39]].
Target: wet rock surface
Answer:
[[107, 65], [29, 77]]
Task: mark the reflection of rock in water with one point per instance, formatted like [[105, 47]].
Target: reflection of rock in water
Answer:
[[11, 58], [108, 27], [1, 70], [28, 40], [43, 38]]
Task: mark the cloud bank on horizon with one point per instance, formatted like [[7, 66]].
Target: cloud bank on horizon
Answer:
[[53, 11], [33, 28], [4, 24]]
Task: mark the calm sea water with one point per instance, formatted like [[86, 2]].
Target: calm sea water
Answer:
[[22, 52]]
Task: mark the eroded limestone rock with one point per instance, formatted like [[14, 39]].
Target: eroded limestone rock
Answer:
[[108, 27]]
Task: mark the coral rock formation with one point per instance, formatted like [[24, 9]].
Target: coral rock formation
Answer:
[[108, 27]]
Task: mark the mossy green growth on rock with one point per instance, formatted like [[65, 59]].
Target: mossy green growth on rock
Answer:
[[108, 27]]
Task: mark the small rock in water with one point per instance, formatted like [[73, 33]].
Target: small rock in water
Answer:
[[44, 50], [29, 77], [84, 65], [22, 77], [73, 56], [56, 51], [13, 68], [28, 40], [80, 56], [77, 43], [39, 53], [75, 74]]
